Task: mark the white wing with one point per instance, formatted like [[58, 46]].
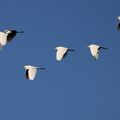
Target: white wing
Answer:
[[94, 51], [32, 73], [3, 38], [60, 53]]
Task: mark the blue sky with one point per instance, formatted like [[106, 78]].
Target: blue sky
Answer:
[[77, 88]]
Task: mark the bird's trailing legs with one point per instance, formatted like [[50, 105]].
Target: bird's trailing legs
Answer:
[[19, 31], [70, 50], [40, 68], [103, 48]]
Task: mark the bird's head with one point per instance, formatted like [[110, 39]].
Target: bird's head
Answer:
[[7, 31], [88, 46], [26, 66], [92, 45], [118, 17], [56, 48], [60, 47]]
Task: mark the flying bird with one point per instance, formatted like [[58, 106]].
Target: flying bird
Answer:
[[61, 52], [118, 26], [7, 36], [94, 49], [31, 71]]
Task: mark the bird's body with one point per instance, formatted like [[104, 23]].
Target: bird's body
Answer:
[[7, 36], [61, 52], [94, 49], [31, 71]]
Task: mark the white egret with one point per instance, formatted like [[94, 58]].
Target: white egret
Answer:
[[61, 52], [7, 36], [31, 71], [94, 49]]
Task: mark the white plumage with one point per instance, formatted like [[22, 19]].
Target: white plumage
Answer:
[[94, 49], [118, 17], [118, 26], [61, 52], [31, 71], [3, 39], [7, 36]]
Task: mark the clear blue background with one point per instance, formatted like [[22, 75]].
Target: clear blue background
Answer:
[[77, 88]]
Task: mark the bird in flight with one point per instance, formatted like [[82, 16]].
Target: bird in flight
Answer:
[[94, 49], [7, 36], [61, 52], [31, 71], [118, 26]]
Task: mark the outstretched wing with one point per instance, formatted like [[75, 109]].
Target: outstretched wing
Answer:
[[32, 73], [61, 53], [95, 52], [3, 38]]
